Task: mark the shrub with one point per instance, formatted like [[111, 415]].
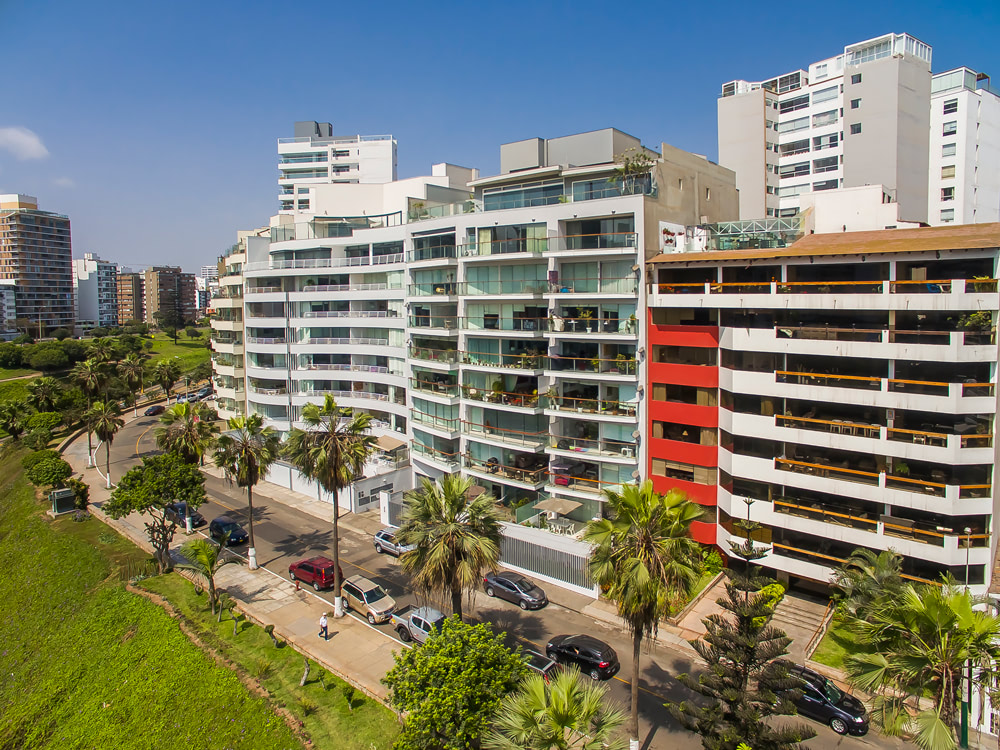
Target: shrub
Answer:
[[33, 458], [44, 420], [49, 472], [81, 492], [48, 358], [24, 338], [261, 668], [38, 439], [60, 333], [713, 562], [774, 592], [11, 355]]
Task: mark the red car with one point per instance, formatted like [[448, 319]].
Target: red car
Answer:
[[317, 571]]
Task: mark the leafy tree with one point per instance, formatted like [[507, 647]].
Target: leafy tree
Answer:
[[866, 580], [568, 713], [165, 373], [457, 539], [205, 559], [37, 456], [44, 420], [44, 393], [246, 452], [99, 331], [48, 358], [81, 491], [746, 680], [148, 488], [24, 338], [332, 452], [101, 349], [105, 420], [61, 333], [49, 472], [452, 686], [13, 415], [132, 370], [189, 430], [646, 559], [75, 350], [201, 372], [192, 333], [37, 439], [169, 319], [10, 355]]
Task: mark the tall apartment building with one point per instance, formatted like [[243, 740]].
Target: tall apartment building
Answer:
[[860, 118], [839, 389], [227, 329], [36, 253], [964, 174], [95, 285], [209, 273], [131, 296], [313, 157], [167, 288], [8, 309]]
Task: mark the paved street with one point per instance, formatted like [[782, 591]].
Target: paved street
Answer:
[[284, 534]]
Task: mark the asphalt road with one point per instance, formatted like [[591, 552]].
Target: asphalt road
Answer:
[[283, 534]]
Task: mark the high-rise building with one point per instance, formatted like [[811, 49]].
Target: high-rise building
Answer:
[[131, 297], [964, 172], [169, 291], [95, 283], [8, 309], [227, 329], [209, 273], [36, 253]]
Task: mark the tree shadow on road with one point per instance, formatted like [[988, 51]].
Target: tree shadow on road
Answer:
[[313, 542]]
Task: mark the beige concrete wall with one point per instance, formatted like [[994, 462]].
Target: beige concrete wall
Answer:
[[742, 144]]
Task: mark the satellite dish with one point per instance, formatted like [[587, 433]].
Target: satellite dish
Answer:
[[635, 474], [636, 433]]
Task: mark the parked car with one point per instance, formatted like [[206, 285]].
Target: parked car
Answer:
[[154, 410], [177, 512], [224, 525], [317, 571], [204, 392], [368, 598], [416, 623], [514, 587], [385, 541], [594, 658], [540, 663], [185, 398], [825, 702]]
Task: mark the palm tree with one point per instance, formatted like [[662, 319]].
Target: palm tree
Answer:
[[205, 560], [13, 415], [101, 349], [44, 393], [645, 559], [564, 714], [867, 578], [90, 375], [245, 452], [332, 453], [104, 418], [166, 372], [456, 539], [133, 369], [189, 430]]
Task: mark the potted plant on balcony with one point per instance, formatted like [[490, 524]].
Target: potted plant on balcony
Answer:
[[631, 323], [586, 316], [595, 364], [497, 389], [635, 163]]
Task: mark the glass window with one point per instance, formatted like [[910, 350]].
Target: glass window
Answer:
[[948, 149], [826, 185], [795, 147], [796, 103], [950, 106], [792, 125], [825, 118], [950, 128], [793, 170], [825, 95], [948, 172], [947, 214], [826, 164], [855, 103], [856, 78], [821, 142], [948, 194], [793, 190], [855, 128], [520, 196]]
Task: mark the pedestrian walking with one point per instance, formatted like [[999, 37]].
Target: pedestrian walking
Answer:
[[322, 628]]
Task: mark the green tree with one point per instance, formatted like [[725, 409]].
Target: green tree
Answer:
[[13, 416], [90, 376], [452, 686], [44, 393], [101, 349], [189, 430], [44, 420], [567, 713], [246, 452], [148, 488], [49, 472], [646, 559], [11, 355], [746, 680], [867, 579], [60, 334], [165, 373], [332, 452], [105, 420], [48, 358], [456, 539], [132, 370], [205, 560], [169, 319], [192, 333]]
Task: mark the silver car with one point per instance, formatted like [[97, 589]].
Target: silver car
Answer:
[[385, 541]]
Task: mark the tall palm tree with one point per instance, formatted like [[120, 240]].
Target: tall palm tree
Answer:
[[564, 714], [645, 558], [332, 452], [205, 559], [104, 418], [90, 376], [101, 349], [867, 578], [245, 452], [188, 430], [457, 539], [133, 369], [13, 415], [166, 372], [44, 393]]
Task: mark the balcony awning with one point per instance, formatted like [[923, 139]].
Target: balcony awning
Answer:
[[388, 443], [558, 505]]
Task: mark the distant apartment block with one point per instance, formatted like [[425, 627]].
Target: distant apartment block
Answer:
[[131, 297], [95, 282], [168, 289], [8, 309]]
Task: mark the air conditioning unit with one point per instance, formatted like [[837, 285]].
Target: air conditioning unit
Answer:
[[628, 452]]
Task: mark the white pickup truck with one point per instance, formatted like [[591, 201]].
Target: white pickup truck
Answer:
[[416, 623]]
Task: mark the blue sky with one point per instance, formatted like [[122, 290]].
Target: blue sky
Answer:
[[153, 125]]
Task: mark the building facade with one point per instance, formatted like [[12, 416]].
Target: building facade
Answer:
[[36, 253], [169, 291], [226, 322], [839, 389], [95, 284], [131, 296]]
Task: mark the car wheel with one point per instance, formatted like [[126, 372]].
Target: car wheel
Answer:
[[371, 619], [291, 576], [378, 549], [838, 725], [489, 591], [595, 675], [316, 585], [522, 604], [404, 635]]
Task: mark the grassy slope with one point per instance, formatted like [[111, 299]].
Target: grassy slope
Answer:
[[837, 644], [191, 352], [83, 663], [6, 374]]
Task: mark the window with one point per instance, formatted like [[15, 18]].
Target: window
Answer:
[[793, 190], [794, 170], [795, 147], [791, 105], [792, 125], [825, 118], [947, 172], [856, 78], [948, 194], [855, 103], [824, 95], [950, 128], [826, 164], [950, 106], [948, 149], [821, 142], [947, 214], [855, 128], [826, 185], [708, 194], [820, 71]]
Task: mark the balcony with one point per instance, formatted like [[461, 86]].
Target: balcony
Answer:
[[442, 356], [433, 288], [624, 285], [348, 287], [593, 406], [265, 340], [531, 440], [512, 288], [599, 446], [589, 324], [489, 322], [312, 314], [518, 400], [448, 424], [622, 365], [529, 361], [352, 341], [434, 322], [363, 395], [528, 473], [378, 260], [443, 387], [448, 459]]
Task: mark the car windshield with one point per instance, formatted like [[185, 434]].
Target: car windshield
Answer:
[[231, 528], [832, 692], [374, 595]]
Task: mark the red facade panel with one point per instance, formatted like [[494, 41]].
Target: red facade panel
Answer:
[[706, 376], [688, 453], [704, 532], [671, 411], [703, 494], [702, 336]]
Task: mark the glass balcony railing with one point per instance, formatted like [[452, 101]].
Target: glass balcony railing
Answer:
[[524, 361], [451, 459], [493, 467], [447, 356]]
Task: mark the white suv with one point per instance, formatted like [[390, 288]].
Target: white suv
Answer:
[[385, 541]]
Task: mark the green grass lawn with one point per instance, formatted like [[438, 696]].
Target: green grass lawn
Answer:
[[322, 706], [190, 352], [837, 645], [6, 374]]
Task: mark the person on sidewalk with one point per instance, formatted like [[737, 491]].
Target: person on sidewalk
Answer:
[[323, 633]]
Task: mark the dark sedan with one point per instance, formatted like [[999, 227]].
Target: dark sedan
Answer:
[[226, 529], [823, 701], [595, 658], [515, 588], [177, 512], [154, 410]]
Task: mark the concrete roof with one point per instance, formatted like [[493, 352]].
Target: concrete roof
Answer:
[[958, 237]]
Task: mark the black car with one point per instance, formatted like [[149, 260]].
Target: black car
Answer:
[[177, 512], [823, 701], [225, 525], [515, 588], [155, 409], [594, 658]]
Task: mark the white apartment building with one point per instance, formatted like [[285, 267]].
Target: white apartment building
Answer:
[[313, 157], [859, 118], [844, 383], [964, 170], [227, 329], [95, 288], [209, 273]]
